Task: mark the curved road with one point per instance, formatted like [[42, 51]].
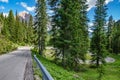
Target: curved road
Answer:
[[13, 64]]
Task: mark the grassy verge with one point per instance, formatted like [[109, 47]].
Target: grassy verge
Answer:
[[37, 73], [112, 70], [57, 72]]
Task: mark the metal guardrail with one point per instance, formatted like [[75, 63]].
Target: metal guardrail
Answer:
[[46, 75]]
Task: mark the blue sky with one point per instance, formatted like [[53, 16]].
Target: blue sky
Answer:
[[29, 6], [19, 5], [113, 9]]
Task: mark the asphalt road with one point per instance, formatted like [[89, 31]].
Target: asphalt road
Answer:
[[13, 65]]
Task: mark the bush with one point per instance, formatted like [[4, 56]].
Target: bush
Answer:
[[6, 45]]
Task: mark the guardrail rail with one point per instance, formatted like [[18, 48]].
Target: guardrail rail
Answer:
[[45, 74]]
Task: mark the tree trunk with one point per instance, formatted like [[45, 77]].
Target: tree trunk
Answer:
[[97, 61], [63, 59]]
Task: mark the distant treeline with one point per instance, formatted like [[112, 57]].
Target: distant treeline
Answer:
[[16, 29]]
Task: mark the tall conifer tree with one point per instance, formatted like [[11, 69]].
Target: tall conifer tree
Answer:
[[11, 26], [98, 43], [116, 38], [110, 34], [17, 28], [30, 30], [41, 24], [70, 30], [1, 23]]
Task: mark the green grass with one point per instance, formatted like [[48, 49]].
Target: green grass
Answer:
[[58, 72], [36, 70], [112, 70]]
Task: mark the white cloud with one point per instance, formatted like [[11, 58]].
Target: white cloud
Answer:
[[2, 7], [90, 25], [50, 11], [35, 0], [27, 7], [4, 1], [90, 31], [107, 1], [5, 14], [92, 3]]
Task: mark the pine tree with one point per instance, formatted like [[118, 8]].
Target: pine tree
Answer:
[[84, 27], [1, 21], [70, 30], [11, 26], [98, 42], [55, 23], [20, 30], [15, 29], [5, 30], [30, 30], [61, 28], [116, 38], [110, 34], [24, 26], [1, 24], [2, 16], [17, 25], [41, 24]]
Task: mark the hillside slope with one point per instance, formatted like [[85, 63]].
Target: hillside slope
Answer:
[[6, 45]]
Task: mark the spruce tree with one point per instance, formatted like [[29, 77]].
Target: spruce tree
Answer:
[[116, 38], [17, 28], [30, 30], [20, 30], [98, 42], [11, 26], [110, 34], [69, 29], [5, 29], [1, 24], [84, 27], [24, 26], [55, 20], [2, 16], [41, 24]]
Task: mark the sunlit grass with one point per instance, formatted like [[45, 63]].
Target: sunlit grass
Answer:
[[112, 70]]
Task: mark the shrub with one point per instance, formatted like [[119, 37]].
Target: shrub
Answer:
[[6, 45]]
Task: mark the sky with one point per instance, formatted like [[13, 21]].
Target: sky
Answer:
[[113, 9], [29, 6], [17, 5]]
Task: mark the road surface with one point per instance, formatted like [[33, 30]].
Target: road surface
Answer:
[[13, 65]]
